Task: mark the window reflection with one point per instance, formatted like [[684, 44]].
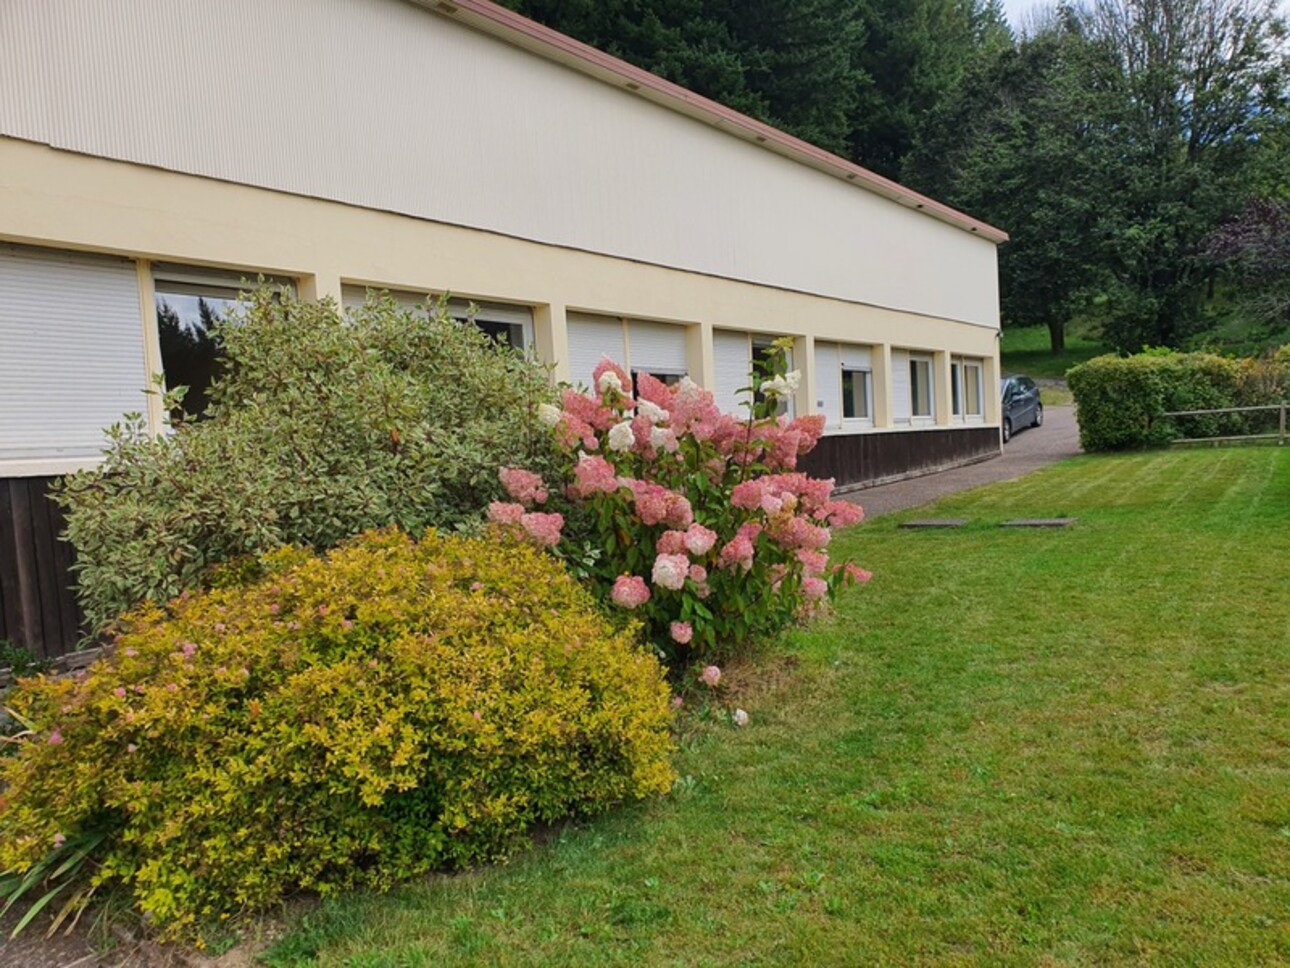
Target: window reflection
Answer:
[[190, 356]]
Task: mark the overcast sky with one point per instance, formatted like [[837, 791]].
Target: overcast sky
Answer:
[[1017, 9]]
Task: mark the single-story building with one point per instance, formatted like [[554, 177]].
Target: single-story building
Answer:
[[154, 154]]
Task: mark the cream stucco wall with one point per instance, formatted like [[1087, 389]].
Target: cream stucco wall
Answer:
[[391, 106], [56, 198]]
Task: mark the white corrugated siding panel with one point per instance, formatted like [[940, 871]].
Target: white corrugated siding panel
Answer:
[[857, 357], [900, 403], [657, 347], [591, 339], [828, 383], [386, 105], [71, 351], [732, 361]]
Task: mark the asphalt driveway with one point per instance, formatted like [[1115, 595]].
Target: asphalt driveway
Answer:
[[1028, 451]]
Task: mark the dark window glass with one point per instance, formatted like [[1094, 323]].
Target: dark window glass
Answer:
[[668, 379], [855, 394], [186, 319], [956, 391], [920, 387], [508, 334]]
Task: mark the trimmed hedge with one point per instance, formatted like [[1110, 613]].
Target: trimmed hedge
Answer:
[[1119, 400], [394, 707]]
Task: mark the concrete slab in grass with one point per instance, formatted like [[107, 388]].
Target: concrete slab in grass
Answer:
[[1038, 523]]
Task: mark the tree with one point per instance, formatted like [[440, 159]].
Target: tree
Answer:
[[1203, 79], [1254, 250], [1023, 144]]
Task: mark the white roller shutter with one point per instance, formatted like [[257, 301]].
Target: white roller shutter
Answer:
[[591, 338], [657, 347], [355, 297], [856, 357], [732, 359], [71, 351], [828, 383], [900, 405]]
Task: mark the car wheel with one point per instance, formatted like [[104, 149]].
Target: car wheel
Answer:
[[1039, 415], [1007, 429]]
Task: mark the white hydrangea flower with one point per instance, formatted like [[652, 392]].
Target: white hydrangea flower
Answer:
[[609, 381], [775, 387], [739, 717], [651, 411], [621, 436], [793, 379], [548, 416], [662, 438]]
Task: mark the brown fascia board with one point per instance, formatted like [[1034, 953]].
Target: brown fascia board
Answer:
[[522, 32]]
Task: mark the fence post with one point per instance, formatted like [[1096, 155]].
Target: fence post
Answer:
[[1282, 441]]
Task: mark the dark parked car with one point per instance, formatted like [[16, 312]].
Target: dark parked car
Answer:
[[1021, 406]]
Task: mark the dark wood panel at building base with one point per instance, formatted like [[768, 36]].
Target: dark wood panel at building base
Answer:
[[37, 605], [876, 458]]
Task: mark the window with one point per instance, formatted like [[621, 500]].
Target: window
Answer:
[[761, 350], [968, 388], [504, 322], [920, 387], [190, 302], [857, 394], [973, 381]]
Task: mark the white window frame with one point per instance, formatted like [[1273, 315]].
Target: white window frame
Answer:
[[927, 361], [963, 369], [867, 420]]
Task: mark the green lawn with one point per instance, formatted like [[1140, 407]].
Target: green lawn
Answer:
[[1013, 747], [1028, 351]]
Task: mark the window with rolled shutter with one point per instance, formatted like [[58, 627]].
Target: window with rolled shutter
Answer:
[[71, 350], [591, 339], [900, 402], [656, 348], [732, 360], [828, 383]]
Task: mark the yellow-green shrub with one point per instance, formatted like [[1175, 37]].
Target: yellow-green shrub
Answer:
[[352, 719]]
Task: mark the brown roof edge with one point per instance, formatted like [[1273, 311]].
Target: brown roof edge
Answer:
[[516, 29]]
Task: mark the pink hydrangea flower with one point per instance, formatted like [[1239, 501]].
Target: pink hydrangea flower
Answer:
[[503, 513], [842, 514], [594, 475], [630, 591], [119, 692], [856, 574], [814, 588], [737, 553], [523, 486], [657, 505], [609, 378], [677, 702], [699, 540], [59, 840], [671, 543], [698, 574], [711, 676], [189, 649], [670, 571], [748, 494], [682, 632], [543, 529], [813, 562], [55, 738]]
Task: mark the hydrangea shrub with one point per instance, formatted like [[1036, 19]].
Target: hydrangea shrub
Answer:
[[695, 521], [354, 719]]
